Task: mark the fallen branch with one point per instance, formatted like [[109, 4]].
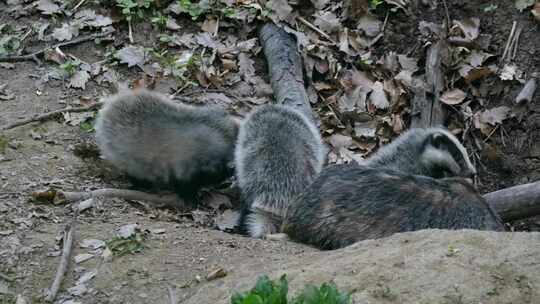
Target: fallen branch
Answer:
[[64, 262], [285, 68], [165, 200], [526, 94], [33, 56], [50, 115], [516, 202], [427, 110], [316, 29]]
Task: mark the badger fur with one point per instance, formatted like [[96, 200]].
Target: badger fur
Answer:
[[164, 144], [433, 152], [278, 154], [350, 203]]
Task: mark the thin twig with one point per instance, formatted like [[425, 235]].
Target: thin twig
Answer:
[[51, 114], [6, 278], [170, 200], [447, 16], [64, 262], [33, 56], [173, 299], [130, 32], [491, 133], [510, 37], [516, 41], [316, 29], [77, 6]]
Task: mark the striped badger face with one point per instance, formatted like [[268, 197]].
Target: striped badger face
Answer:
[[444, 156]]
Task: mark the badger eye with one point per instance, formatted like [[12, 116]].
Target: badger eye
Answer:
[[443, 172]]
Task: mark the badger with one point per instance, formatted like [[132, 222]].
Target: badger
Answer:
[[433, 152], [349, 203], [161, 144], [279, 152]]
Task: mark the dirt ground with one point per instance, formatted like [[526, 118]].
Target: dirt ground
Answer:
[[178, 251]]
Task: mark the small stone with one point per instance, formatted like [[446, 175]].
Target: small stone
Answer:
[[91, 243], [127, 230], [82, 257]]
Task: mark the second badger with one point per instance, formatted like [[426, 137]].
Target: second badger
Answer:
[[350, 203], [278, 154]]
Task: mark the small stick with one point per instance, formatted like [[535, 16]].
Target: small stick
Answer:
[[447, 16], [316, 29], [510, 37], [491, 133], [516, 41], [77, 6], [171, 200], [173, 299], [64, 262], [130, 32], [381, 34], [33, 56], [6, 278], [51, 114], [526, 94]]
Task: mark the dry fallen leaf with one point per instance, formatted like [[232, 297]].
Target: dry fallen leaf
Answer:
[[210, 25], [471, 74], [453, 97], [370, 25], [281, 10], [477, 58], [536, 11], [48, 7], [132, 55], [340, 141], [494, 116], [328, 22], [407, 63], [79, 80], [378, 96], [66, 32], [469, 28], [228, 220]]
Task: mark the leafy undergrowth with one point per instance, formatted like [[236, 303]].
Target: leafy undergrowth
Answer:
[[267, 291]]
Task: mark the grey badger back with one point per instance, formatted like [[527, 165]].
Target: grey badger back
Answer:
[[433, 152], [158, 142], [350, 203], [278, 154]]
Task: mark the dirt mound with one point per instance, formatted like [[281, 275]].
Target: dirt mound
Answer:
[[430, 266]]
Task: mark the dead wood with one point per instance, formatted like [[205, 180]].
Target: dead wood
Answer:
[[516, 202], [427, 109], [64, 262], [161, 200], [526, 94], [50, 115], [34, 56], [285, 68]]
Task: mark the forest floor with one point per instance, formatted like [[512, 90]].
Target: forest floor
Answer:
[[212, 55]]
